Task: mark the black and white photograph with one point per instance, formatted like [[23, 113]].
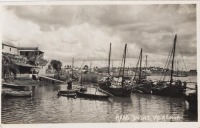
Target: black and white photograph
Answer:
[[99, 63]]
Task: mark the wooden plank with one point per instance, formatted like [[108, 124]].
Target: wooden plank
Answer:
[[48, 78]]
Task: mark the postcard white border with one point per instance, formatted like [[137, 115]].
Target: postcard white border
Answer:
[[110, 125]]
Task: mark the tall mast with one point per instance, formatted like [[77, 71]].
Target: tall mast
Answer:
[[72, 67], [177, 68], [90, 66], [174, 51], [124, 58], [140, 65], [111, 67], [109, 60], [146, 66]]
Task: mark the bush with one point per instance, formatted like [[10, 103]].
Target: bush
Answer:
[[9, 69]]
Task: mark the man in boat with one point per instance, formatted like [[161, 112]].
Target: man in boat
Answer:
[[69, 83]]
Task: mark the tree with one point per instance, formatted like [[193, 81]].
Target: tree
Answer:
[[32, 57], [86, 67], [56, 64]]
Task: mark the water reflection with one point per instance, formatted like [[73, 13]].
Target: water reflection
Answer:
[[46, 107]]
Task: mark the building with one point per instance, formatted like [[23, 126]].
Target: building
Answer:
[[25, 58], [193, 72], [8, 47], [30, 51]]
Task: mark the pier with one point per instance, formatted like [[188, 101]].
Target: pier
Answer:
[[48, 79]]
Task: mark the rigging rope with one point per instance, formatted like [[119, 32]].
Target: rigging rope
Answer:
[[137, 66], [82, 64], [182, 57], [167, 65], [129, 59], [121, 65]]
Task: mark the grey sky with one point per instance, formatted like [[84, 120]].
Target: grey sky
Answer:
[[85, 31]]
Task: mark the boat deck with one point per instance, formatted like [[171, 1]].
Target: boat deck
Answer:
[[93, 90]]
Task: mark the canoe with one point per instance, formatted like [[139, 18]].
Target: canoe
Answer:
[[17, 93]]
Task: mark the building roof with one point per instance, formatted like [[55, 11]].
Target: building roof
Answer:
[[8, 43], [25, 65], [29, 49]]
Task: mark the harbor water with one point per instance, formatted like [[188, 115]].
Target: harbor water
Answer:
[[46, 107]]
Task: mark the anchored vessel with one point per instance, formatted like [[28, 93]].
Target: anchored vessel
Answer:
[[70, 92], [140, 82], [121, 87], [95, 94], [173, 88], [14, 86]]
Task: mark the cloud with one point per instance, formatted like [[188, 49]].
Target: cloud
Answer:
[[46, 16], [85, 31]]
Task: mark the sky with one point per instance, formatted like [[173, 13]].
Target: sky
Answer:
[[84, 32]]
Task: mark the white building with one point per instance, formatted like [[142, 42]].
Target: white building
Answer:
[[8, 47]]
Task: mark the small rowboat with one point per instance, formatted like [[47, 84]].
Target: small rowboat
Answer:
[[68, 93], [72, 95], [17, 93], [14, 86]]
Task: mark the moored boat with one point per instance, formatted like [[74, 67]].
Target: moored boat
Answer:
[[95, 94], [13, 86], [92, 96], [68, 93], [120, 91], [172, 88], [144, 87], [140, 82], [72, 95], [120, 87], [61, 92], [17, 93]]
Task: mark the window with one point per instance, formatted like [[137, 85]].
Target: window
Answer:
[[10, 49], [2, 46]]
